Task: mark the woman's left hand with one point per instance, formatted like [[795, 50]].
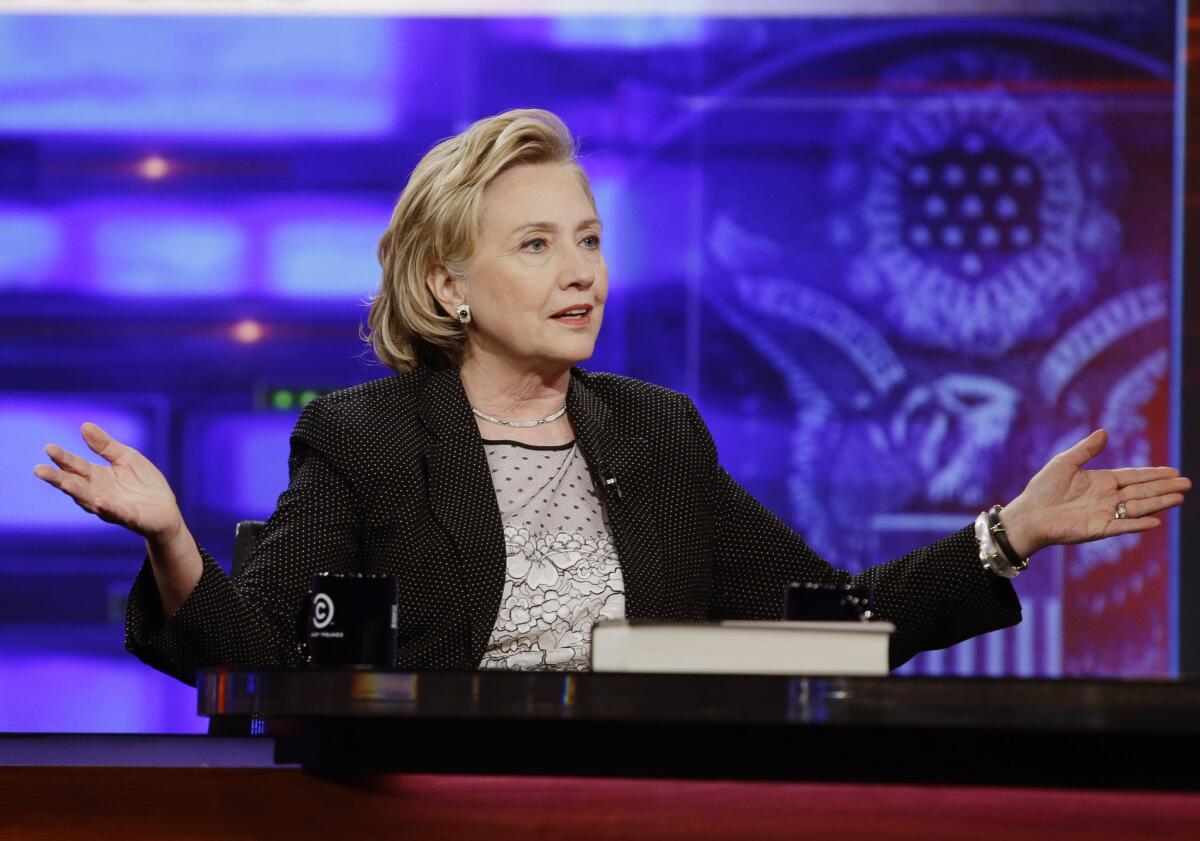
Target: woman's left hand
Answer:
[[1064, 503]]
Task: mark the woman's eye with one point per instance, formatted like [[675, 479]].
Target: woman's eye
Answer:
[[537, 244], [592, 240]]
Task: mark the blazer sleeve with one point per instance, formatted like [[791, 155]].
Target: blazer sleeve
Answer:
[[937, 595], [252, 620]]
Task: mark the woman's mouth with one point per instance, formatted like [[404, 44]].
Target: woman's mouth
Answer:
[[574, 316]]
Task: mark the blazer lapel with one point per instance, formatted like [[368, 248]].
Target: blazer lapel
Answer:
[[463, 501], [616, 457]]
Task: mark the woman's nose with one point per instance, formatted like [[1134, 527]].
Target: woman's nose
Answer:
[[579, 270]]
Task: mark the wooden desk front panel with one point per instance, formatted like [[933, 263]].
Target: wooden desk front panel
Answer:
[[214, 804]]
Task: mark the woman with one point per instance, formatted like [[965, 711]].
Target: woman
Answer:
[[519, 498]]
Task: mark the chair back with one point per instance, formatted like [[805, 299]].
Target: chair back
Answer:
[[245, 535]]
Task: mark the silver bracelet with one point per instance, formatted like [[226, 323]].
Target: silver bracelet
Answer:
[[989, 553]]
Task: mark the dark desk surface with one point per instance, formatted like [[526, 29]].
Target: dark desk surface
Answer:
[[1095, 705], [1090, 733]]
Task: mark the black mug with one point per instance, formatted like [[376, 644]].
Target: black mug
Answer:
[[350, 620], [809, 601]]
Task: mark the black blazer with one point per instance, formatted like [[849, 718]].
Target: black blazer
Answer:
[[391, 477]]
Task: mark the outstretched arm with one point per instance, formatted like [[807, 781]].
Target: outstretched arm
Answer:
[[183, 612], [936, 595]]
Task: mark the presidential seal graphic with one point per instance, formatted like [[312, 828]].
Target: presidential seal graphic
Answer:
[[942, 297], [980, 222]]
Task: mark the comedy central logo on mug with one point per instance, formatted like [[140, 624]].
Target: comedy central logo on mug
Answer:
[[364, 633], [322, 610], [320, 617]]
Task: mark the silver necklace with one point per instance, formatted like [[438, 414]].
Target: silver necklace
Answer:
[[521, 424]]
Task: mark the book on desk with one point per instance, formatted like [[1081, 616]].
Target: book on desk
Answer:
[[742, 647]]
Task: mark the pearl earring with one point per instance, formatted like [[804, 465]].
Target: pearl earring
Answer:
[[464, 314]]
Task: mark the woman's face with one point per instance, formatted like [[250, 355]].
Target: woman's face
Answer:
[[537, 281]]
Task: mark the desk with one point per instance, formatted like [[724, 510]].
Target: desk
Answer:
[[582, 757], [1062, 733]]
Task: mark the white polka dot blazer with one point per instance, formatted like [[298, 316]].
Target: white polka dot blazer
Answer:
[[390, 477]]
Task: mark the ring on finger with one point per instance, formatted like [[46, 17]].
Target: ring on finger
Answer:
[[1121, 512]]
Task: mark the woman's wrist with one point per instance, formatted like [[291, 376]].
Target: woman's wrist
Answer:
[[1020, 528], [177, 567]]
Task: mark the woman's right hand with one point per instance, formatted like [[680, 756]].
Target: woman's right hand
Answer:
[[129, 491]]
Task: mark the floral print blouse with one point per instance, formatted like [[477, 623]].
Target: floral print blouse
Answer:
[[562, 569]]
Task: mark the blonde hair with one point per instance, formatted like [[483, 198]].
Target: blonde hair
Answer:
[[434, 226]]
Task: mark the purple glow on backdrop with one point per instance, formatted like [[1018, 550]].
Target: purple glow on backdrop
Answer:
[[238, 463], [627, 33], [92, 694], [303, 247], [234, 77], [29, 423], [642, 222], [324, 249], [154, 250], [30, 247]]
